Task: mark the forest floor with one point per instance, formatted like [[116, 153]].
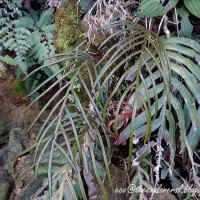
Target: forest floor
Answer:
[[13, 105], [14, 116]]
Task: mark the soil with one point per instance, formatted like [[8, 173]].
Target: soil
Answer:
[[13, 106], [14, 113]]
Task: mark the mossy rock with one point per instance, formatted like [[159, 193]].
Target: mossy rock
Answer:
[[19, 87], [69, 28]]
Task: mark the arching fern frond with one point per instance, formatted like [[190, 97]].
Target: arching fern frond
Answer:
[[159, 78], [75, 124]]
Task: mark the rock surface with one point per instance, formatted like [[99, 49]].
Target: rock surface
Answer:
[[5, 184], [31, 188], [15, 143]]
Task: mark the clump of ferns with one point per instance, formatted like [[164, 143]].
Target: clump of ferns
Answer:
[[149, 93], [156, 56], [12, 36], [75, 124], [28, 34], [148, 108]]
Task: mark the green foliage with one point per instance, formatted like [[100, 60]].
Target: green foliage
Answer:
[[193, 6], [41, 38], [28, 34], [7, 60], [12, 35], [80, 143], [69, 29], [186, 26], [154, 86], [152, 8], [157, 112], [19, 87]]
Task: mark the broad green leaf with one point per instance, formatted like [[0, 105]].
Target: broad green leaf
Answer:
[[193, 6], [184, 41], [152, 8], [194, 135], [186, 26]]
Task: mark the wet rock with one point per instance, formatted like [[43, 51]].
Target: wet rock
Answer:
[[6, 128], [4, 134], [3, 156], [5, 184], [31, 188], [17, 142], [15, 145]]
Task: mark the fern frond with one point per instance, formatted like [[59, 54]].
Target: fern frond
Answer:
[[8, 60], [28, 34], [85, 139], [46, 18], [26, 22]]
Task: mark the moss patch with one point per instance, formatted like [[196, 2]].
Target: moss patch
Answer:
[[69, 28], [18, 87]]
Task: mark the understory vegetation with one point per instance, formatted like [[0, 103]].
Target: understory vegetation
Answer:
[[123, 86]]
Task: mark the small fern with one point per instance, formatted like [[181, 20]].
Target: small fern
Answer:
[[28, 34], [13, 35], [41, 39], [7, 60]]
